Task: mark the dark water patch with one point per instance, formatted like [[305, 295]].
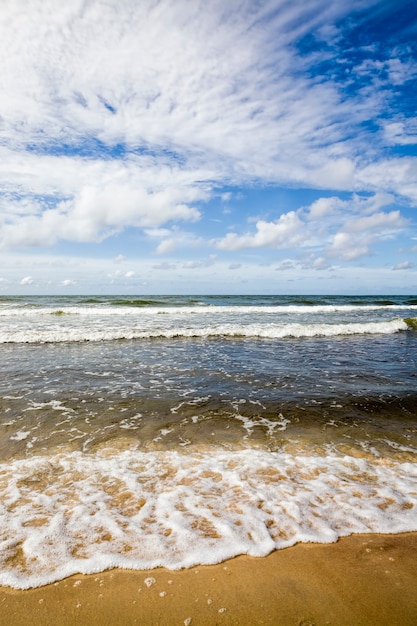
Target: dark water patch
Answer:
[[135, 302], [93, 301], [154, 301], [307, 301], [411, 322]]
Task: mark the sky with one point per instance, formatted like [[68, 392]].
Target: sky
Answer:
[[186, 146]]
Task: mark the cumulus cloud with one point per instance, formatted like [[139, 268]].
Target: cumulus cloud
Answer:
[[357, 234], [347, 247], [382, 222], [396, 175], [334, 207], [96, 199], [324, 207], [320, 263], [345, 229], [287, 231], [27, 280], [172, 239], [405, 265]]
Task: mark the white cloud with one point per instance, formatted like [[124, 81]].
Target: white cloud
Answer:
[[381, 222], [287, 264], [320, 263], [172, 239], [356, 235], [347, 247], [400, 72], [166, 246], [68, 283], [335, 208], [403, 133], [396, 175], [384, 72], [345, 229], [405, 265], [367, 205], [325, 206], [27, 280], [287, 231], [98, 198], [164, 266], [185, 91], [200, 263]]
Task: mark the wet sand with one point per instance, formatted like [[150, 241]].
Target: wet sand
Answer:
[[363, 580]]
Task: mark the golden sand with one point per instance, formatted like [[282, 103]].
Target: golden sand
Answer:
[[361, 580]]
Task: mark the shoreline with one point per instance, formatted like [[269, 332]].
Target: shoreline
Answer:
[[361, 580]]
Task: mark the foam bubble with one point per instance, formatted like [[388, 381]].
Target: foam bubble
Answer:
[[20, 435]]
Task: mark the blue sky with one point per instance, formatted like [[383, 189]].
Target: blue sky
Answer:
[[182, 146]]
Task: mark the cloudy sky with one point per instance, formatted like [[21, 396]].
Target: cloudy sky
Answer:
[[186, 146]]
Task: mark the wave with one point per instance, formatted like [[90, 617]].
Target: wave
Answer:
[[261, 331], [73, 513], [139, 310]]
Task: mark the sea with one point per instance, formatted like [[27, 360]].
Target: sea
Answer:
[[174, 431]]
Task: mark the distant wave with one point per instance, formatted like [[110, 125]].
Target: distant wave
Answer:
[[137, 310], [267, 331]]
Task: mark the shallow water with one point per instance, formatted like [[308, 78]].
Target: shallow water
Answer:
[[176, 431]]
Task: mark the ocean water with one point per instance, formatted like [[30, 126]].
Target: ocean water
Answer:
[[175, 431]]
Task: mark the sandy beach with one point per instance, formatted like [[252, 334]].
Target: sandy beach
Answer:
[[361, 580]]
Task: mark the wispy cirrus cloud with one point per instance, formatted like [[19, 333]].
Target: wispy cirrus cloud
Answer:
[[403, 133]]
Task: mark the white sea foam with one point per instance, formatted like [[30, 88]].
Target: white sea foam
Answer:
[[20, 435], [74, 512], [60, 334], [56, 405]]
